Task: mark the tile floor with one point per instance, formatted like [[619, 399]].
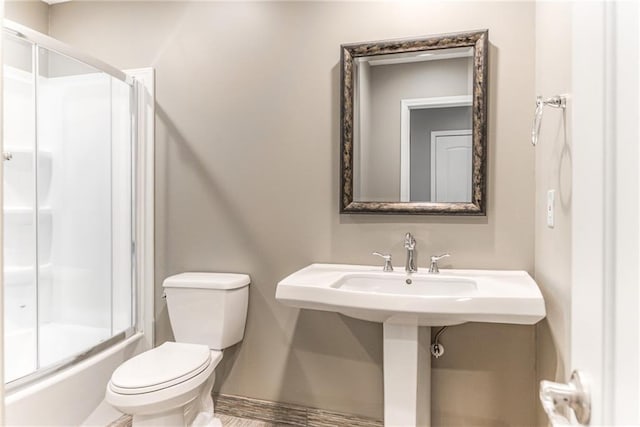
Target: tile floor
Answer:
[[227, 421], [106, 415]]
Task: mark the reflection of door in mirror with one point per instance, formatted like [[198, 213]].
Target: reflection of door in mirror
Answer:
[[451, 166], [420, 118]]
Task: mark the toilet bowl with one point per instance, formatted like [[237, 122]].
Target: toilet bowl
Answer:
[[159, 384], [171, 385]]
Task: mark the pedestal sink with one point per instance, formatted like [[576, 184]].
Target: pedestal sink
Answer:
[[403, 302]]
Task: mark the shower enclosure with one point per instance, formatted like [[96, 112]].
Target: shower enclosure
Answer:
[[69, 207]]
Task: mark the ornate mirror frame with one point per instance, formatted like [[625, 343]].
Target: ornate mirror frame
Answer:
[[348, 55]]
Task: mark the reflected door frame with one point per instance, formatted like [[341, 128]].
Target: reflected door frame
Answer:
[[406, 105]]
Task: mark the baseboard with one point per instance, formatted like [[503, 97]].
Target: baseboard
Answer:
[[284, 413]]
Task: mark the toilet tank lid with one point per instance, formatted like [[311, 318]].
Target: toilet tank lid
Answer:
[[203, 280]]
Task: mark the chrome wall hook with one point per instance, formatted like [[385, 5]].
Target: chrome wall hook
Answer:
[[558, 101]]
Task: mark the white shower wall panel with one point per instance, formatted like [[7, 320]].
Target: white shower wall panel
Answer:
[[19, 179], [18, 108], [20, 244]]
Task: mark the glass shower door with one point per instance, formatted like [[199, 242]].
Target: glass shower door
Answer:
[[20, 281], [84, 191], [68, 198], [74, 196]]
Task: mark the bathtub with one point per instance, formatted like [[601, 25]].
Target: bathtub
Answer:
[[67, 398]]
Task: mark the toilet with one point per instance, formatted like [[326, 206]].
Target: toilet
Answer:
[[171, 384]]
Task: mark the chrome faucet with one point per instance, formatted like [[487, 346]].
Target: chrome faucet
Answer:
[[433, 268], [410, 245]]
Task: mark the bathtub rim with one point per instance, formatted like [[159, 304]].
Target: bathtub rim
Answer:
[[78, 364], [65, 364]]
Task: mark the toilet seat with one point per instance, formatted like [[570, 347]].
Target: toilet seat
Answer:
[[160, 368], [183, 362]]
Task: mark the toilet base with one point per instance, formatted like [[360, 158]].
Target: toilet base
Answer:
[[171, 418], [197, 413], [200, 412]]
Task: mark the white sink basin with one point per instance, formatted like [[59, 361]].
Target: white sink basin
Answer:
[[394, 284], [405, 304], [448, 298]]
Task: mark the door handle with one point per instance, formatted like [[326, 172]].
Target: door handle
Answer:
[[574, 395]]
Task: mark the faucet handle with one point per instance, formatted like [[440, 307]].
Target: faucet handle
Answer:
[[433, 268], [387, 261], [436, 258]]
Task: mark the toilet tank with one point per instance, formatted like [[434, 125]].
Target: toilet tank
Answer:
[[208, 308]]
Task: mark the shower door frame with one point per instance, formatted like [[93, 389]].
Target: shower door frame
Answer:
[[142, 193]]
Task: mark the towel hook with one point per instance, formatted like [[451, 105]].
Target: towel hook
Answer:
[[558, 101]]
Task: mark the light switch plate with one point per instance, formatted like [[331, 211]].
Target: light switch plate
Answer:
[[551, 207]]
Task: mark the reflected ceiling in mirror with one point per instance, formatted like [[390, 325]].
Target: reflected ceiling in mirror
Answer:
[[414, 125]]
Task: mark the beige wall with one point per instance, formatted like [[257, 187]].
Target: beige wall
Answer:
[[32, 13], [553, 171], [247, 158]]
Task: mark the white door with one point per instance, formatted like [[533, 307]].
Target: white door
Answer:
[[451, 166], [605, 291]]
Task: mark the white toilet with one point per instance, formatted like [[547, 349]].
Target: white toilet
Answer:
[[170, 385]]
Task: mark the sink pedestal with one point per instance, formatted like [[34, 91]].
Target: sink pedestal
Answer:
[[450, 298], [407, 375]]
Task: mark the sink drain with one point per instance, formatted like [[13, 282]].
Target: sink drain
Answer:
[[408, 281]]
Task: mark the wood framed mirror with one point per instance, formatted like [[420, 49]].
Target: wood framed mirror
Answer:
[[413, 123]]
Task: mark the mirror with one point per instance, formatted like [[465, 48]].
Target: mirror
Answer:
[[413, 125]]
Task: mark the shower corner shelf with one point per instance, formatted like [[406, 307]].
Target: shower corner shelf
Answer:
[[15, 275], [17, 74], [23, 210], [24, 215], [18, 149]]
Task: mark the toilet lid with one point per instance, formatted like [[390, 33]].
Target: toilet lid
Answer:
[[164, 366]]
